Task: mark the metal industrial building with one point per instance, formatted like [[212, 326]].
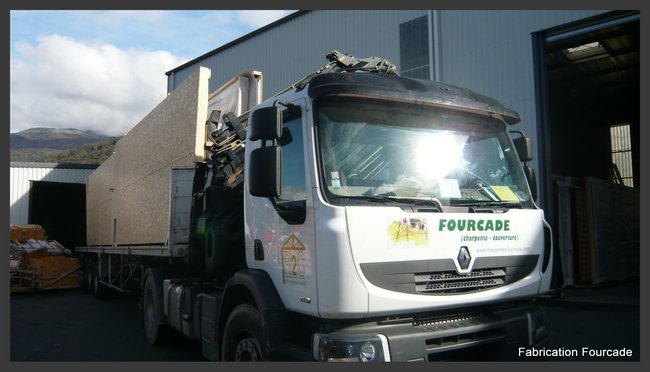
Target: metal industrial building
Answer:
[[572, 75], [497, 53]]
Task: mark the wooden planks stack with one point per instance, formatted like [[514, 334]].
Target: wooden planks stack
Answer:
[[55, 272], [614, 219], [22, 233], [38, 264], [598, 231]]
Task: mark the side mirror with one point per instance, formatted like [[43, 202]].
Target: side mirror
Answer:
[[265, 124], [524, 147], [265, 171], [532, 180]]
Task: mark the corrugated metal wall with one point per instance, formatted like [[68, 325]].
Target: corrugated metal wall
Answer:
[[20, 175], [297, 47], [487, 51]]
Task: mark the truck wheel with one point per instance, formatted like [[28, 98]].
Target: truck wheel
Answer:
[[90, 268], [244, 338], [152, 311], [82, 280], [98, 289], [85, 274]]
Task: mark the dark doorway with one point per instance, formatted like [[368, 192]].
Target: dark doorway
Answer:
[[60, 208], [593, 87], [588, 102]]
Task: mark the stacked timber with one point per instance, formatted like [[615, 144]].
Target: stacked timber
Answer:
[[39, 264]]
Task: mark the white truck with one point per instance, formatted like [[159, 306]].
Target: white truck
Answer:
[[355, 216]]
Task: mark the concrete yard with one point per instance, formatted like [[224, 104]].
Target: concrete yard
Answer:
[[71, 325]]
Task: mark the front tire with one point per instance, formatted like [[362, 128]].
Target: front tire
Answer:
[[244, 339]]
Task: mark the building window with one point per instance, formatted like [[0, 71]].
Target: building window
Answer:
[[414, 48], [621, 154]]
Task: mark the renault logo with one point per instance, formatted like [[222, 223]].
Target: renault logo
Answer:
[[464, 258]]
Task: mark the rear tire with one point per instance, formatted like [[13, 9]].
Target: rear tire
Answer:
[[152, 313], [85, 273], [98, 289], [244, 339]]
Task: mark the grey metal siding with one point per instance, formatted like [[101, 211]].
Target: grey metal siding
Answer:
[[297, 47], [491, 52], [20, 176], [486, 51]]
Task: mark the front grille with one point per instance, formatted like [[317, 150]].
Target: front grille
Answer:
[[451, 282], [440, 278], [445, 319]]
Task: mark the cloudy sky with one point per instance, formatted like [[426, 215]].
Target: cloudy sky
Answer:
[[105, 70]]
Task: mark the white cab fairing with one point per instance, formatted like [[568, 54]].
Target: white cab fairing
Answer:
[[374, 236]]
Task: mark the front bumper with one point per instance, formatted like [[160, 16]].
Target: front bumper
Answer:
[[484, 334]]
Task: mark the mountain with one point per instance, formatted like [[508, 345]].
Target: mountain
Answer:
[[93, 153], [51, 138]]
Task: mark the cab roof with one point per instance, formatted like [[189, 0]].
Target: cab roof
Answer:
[[377, 85]]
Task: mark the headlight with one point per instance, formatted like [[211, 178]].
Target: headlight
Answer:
[[357, 348]]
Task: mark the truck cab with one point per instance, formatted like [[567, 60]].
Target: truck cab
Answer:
[[373, 196]]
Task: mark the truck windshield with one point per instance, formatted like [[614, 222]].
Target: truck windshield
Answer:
[[379, 151]]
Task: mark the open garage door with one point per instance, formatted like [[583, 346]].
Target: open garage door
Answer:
[[588, 107], [60, 208]]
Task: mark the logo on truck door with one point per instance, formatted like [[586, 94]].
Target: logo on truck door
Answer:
[[293, 260]]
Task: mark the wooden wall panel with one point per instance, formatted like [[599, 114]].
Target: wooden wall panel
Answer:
[[615, 225], [139, 171], [99, 228]]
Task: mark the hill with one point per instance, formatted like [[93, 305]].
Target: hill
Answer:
[[50, 144], [94, 153]]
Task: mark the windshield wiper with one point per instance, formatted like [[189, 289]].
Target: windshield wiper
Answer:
[[379, 199], [418, 200], [393, 199], [487, 203]]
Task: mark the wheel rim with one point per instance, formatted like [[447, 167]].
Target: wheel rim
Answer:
[[248, 350]]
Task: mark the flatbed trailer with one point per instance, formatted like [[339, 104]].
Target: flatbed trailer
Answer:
[[120, 266]]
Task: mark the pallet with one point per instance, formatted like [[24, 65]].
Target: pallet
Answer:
[[21, 280], [24, 232], [46, 273]]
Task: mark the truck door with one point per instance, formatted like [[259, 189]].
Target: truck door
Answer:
[[289, 246]]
